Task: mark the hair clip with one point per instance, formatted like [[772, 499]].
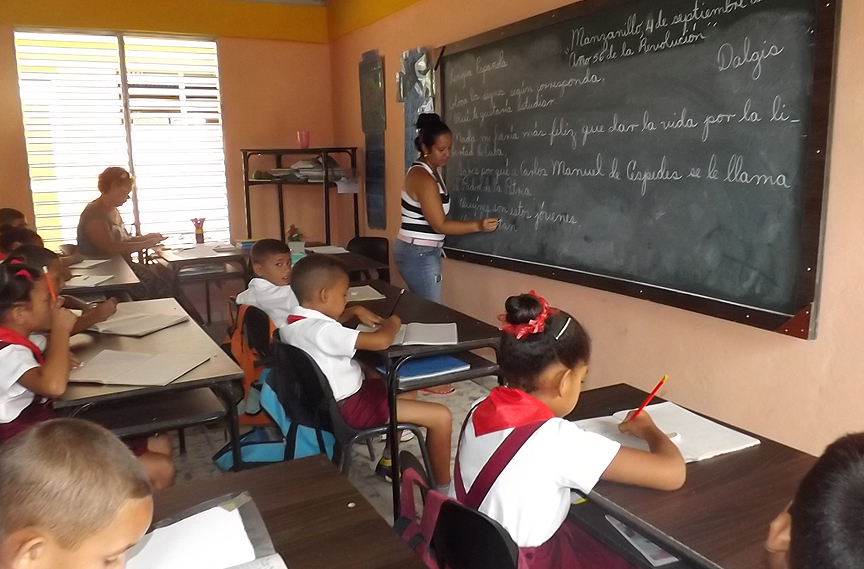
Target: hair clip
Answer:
[[563, 329], [535, 326]]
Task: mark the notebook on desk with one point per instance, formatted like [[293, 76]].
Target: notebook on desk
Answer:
[[363, 293], [89, 263], [419, 334], [698, 438], [137, 325], [83, 281], [111, 367], [434, 366]]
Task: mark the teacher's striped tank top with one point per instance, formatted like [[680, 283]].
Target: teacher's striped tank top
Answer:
[[414, 224]]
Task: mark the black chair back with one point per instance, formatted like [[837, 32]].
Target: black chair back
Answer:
[[467, 539], [376, 248], [256, 330]]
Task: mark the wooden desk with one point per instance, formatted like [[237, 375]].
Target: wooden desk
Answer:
[[473, 335], [218, 373], [720, 518], [305, 505], [122, 277], [356, 263]]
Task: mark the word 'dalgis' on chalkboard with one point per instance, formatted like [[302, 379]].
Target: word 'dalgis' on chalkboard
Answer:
[[673, 150]]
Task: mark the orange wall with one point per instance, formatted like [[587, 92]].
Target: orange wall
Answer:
[[14, 176], [802, 393]]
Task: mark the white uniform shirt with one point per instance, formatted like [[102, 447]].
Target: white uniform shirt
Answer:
[[331, 345], [277, 301], [15, 361], [531, 497]]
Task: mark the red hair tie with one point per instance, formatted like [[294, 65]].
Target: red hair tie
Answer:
[[535, 326], [25, 274]]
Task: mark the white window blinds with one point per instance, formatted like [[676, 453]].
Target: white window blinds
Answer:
[[73, 91]]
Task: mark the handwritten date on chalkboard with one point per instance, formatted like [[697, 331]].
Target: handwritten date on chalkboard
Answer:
[[659, 142]]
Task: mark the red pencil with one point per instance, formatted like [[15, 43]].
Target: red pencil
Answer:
[[650, 397], [50, 286]]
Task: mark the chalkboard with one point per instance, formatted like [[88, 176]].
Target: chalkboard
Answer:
[[673, 150]]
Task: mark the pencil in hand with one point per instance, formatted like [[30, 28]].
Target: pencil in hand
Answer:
[[648, 399]]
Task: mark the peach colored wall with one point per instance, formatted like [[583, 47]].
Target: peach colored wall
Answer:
[[14, 175], [802, 393]]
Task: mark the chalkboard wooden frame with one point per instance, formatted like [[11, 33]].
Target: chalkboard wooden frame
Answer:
[[801, 324]]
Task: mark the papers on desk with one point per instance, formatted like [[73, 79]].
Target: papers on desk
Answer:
[[83, 281], [213, 539], [656, 556], [363, 293], [699, 438], [327, 250], [111, 367], [89, 263], [434, 366], [418, 334], [274, 561], [137, 319], [195, 252]]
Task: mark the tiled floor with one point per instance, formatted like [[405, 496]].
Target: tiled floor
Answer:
[[202, 443]]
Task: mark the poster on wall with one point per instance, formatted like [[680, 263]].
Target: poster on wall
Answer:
[[416, 93], [374, 120]]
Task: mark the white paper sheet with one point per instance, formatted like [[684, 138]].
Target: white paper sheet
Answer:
[[81, 281], [347, 187], [196, 252], [327, 250], [89, 263], [699, 438], [363, 293], [111, 367], [419, 334], [214, 539], [274, 561]]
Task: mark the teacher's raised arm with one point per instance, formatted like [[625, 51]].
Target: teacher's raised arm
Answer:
[[425, 205]]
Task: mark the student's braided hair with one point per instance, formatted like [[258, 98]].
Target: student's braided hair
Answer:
[[536, 336], [16, 284]]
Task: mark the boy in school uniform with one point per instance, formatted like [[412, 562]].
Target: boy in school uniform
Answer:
[[13, 237], [10, 217], [72, 496], [271, 292], [823, 527], [320, 283]]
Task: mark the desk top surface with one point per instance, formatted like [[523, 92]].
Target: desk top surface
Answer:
[[721, 515], [473, 333], [306, 506], [120, 271], [185, 254], [186, 337]]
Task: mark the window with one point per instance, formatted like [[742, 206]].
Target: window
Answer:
[[76, 93]]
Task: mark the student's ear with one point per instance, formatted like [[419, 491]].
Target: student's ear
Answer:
[[24, 549], [324, 295], [256, 268], [779, 537], [564, 381]]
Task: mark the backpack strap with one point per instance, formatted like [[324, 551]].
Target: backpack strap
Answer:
[[493, 467]]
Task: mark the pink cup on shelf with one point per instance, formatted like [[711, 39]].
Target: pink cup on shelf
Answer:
[[303, 138]]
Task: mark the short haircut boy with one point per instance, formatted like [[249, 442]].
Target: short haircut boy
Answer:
[[67, 476], [10, 217], [313, 273], [9, 236], [263, 249], [827, 521], [35, 256]]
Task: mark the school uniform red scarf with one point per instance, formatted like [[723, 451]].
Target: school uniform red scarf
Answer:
[[12, 337], [507, 408]]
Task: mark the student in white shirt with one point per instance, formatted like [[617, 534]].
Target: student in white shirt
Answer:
[[271, 292], [530, 457], [320, 282]]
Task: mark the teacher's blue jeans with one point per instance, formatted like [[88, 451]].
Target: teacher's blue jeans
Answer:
[[420, 267]]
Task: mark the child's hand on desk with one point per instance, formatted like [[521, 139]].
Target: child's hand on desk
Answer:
[[105, 310], [642, 426], [367, 317], [392, 324], [74, 363]]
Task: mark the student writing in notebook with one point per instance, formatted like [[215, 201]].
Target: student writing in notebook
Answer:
[[29, 378], [321, 283], [71, 496], [271, 292], [36, 256], [518, 458], [823, 527]]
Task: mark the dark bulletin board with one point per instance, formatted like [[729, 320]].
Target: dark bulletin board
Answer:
[[654, 148]]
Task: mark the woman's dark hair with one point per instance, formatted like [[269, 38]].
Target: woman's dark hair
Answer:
[[110, 176], [429, 128], [827, 525], [16, 284], [563, 340]]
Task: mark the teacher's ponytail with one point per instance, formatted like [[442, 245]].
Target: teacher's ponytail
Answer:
[[429, 128]]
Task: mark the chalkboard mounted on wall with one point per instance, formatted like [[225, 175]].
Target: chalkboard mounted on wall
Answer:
[[671, 150]]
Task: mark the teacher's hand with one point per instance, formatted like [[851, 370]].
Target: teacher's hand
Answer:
[[487, 225]]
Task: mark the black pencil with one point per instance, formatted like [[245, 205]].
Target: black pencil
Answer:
[[395, 304]]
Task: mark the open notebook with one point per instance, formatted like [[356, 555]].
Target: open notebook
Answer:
[[418, 334], [363, 293], [698, 438], [110, 367], [131, 319]]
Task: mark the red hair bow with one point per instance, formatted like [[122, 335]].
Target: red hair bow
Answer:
[[535, 326]]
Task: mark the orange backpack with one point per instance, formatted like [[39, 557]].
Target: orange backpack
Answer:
[[248, 343]]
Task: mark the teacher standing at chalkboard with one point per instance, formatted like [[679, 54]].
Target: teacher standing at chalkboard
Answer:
[[425, 204]]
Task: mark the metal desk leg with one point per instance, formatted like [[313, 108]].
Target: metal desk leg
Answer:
[[224, 392], [392, 387]]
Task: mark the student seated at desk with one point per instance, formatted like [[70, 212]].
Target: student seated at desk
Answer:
[[71, 495], [271, 291], [36, 256], [823, 527], [524, 458], [28, 380], [321, 282], [13, 237], [10, 217]]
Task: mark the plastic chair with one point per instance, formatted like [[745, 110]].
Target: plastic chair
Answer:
[[377, 249], [305, 392], [467, 539]]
